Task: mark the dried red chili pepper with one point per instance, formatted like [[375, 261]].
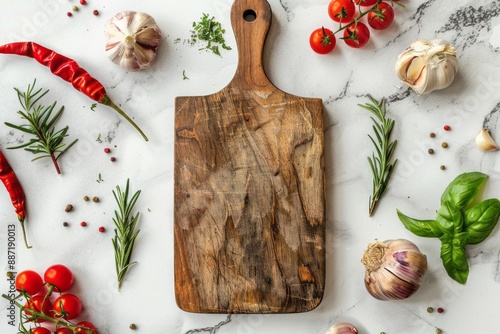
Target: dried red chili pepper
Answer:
[[15, 191], [69, 70]]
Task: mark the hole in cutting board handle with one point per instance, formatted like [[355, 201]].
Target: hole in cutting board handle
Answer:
[[249, 15]]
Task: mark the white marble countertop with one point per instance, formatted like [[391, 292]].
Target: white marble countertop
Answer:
[[342, 79]]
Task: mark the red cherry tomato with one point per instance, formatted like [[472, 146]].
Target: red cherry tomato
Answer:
[[68, 306], [38, 303], [60, 276], [87, 326], [342, 10], [322, 41], [40, 330], [29, 281], [381, 17], [64, 330], [356, 35], [366, 3]]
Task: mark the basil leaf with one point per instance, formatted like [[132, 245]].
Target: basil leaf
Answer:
[[464, 189], [449, 218], [422, 228], [481, 219], [454, 256]]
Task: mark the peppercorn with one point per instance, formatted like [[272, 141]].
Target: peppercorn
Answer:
[[113, 159], [95, 12], [102, 229], [431, 151], [132, 327], [83, 2], [442, 167], [74, 8], [95, 199], [107, 150], [10, 274], [432, 135], [83, 224], [69, 14], [68, 208], [85, 198], [65, 224], [430, 310], [447, 128], [438, 331], [444, 145], [440, 310]]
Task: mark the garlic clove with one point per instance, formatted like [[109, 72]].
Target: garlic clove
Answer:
[[342, 328], [485, 142], [132, 40], [426, 66]]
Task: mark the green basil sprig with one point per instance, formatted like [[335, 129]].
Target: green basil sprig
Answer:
[[459, 222]]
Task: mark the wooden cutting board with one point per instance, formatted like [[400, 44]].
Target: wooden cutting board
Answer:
[[249, 223]]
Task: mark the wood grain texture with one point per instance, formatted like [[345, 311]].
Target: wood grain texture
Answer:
[[249, 225]]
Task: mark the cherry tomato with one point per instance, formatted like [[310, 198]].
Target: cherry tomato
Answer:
[[60, 276], [88, 326], [342, 10], [356, 35], [38, 303], [322, 41], [64, 330], [68, 306], [366, 2], [29, 281], [40, 330], [381, 17]]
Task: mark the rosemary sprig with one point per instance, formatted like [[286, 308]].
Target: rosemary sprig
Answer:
[[47, 141], [125, 233], [380, 163]]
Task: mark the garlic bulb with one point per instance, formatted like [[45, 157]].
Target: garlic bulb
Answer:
[[132, 39], [342, 328], [394, 269], [427, 65], [484, 141]]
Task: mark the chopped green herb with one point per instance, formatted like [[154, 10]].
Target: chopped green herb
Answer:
[[93, 106], [99, 140], [99, 178], [184, 77], [211, 32]]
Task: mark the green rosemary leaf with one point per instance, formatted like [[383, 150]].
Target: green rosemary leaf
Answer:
[[381, 164], [40, 123], [125, 232]]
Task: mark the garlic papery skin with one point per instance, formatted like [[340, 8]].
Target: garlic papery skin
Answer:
[[342, 328], [484, 141], [132, 39], [394, 269], [427, 65]]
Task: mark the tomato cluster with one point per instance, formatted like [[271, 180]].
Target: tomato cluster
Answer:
[[348, 13], [47, 301]]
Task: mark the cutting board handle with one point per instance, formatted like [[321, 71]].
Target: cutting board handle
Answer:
[[251, 20]]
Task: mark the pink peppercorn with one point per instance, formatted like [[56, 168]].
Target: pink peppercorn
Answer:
[[113, 159], [447, 128], [102, 229], [83, 224], [95, 12], [69, 14], [83, 2], [440, 310], [107, 150]]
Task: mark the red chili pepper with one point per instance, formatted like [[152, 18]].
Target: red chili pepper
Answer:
[[15, 191], [69, 70]]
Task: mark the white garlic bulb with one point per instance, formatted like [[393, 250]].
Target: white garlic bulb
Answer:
[[427, 65], [484, 141], [394, 269], [342, 328], [132, 39]]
